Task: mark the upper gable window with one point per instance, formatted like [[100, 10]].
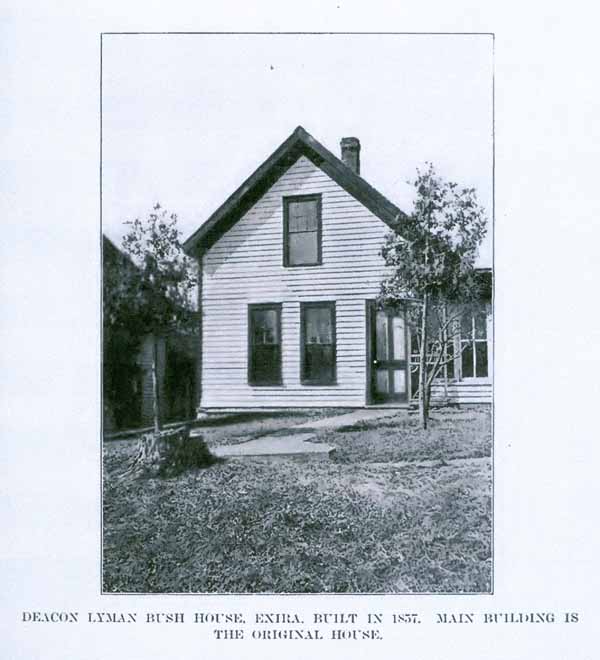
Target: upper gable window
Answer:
[[302, 230]]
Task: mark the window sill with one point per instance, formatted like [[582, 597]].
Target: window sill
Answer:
[[320, 263], [275, 384], [470, 380], [310, 383]]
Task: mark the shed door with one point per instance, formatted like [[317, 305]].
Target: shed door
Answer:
[[389, 356]]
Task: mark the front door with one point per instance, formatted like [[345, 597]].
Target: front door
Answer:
[[389, 368]]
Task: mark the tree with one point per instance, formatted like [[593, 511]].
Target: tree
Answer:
[[155, 295], [120, 373], [432, 272]]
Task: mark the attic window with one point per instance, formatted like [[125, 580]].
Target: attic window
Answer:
[[302, 230]]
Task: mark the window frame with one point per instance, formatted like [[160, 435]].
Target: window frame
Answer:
[[472, 341], [287, 199], [458, 346], [264, 306], [456, 341], [331, 305]]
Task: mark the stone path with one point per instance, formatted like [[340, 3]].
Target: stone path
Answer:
[[299, 444]]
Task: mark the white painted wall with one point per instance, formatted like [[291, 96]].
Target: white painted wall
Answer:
[[245, 266]]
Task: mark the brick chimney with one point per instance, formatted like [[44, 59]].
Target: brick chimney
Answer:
[[351, 153]]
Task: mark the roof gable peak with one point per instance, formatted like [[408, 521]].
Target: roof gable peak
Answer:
[[299, 143]]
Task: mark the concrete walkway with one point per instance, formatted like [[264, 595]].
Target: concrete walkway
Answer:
[[299, 444], [347, 419]]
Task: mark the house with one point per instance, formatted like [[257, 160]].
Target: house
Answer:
[[127, 361], [290, 269], [466, 378]]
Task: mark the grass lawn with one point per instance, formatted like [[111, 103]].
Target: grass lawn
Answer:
[[365, 521]]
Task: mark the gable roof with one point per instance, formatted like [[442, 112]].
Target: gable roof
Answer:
[[112, 254], [299, 143]]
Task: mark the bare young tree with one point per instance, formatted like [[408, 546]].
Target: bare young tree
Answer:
[[432, 274]]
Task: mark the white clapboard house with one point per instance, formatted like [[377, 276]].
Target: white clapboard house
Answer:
[[290, 269]]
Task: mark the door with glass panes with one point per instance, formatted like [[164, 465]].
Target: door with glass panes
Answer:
[[389, 356]]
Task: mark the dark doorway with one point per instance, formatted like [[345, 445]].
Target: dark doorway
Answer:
[[388, 355]]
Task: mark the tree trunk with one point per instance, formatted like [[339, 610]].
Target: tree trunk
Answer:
[[444, 339], [155, 400], [423, 398], [169, 453]]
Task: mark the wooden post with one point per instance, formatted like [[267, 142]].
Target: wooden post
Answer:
[[444, 340], [423, 405], [199, 341], [155, 387]]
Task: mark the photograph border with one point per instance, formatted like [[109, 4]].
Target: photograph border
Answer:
[[493, 298]]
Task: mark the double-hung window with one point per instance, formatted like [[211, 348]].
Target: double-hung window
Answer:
[[302, 230], [466, 348], [264, 344], [473, 344], [318, 350]]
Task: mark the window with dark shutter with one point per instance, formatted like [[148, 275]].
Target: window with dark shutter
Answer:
[[302, 230], [318, 343], [264, 344]]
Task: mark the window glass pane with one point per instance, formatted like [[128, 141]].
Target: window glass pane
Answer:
[[302, 216], [467, 360], [482, 359], [466, 326], [414, 344], [264, 326], [319, 345], [381, 332], [399, 341], [265, 364], [450, 357], [319, 363], [265, 349], [318, 329], [382, 381], [414, 379], [399, 381], [480, 325], [303, 248]]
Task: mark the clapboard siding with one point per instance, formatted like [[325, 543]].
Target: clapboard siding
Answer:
[[463, 392], [246, 266]]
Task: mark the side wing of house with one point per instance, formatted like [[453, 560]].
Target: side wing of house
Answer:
[[467, 378], [261, 306]]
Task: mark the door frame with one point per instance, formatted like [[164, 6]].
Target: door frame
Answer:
[[370, 317]]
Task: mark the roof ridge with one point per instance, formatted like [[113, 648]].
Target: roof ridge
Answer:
[[299, 142]]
